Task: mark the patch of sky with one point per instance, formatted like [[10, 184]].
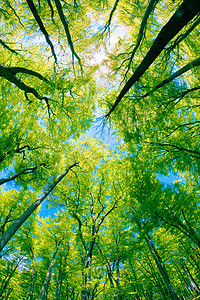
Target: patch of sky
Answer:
[[170, 179], [99, 129], [45, 210], [116, 31], [106, 135], [102, 131]]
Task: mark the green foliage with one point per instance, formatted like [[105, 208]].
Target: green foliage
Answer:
[[111, 228]]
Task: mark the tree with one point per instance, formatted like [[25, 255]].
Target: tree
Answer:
[[7, 235], [99, 103], [186, 12]]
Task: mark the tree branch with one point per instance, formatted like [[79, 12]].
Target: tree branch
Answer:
[[51, 8], [107, 26], [143, 25], [7, 220], [185, 13], [183, 125], [10, 6], [42, 28], [189, 66], [80, 231], [18, 150], [7, 47], [104, 216], [23, 171], [9, 73], [65, 24], [16, 70], [181, 37], [180, 96], [178, 148]]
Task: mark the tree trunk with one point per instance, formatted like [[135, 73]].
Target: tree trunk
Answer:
[[85, 293], [161, 268], [118, 277], [33, 280], [110, 276], [59, 284], [184, 14], [18, 222], [48, 276]]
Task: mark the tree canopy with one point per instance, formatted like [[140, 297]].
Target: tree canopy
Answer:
[[99, 149]]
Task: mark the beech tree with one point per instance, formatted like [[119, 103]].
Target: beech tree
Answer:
[[99, 149]]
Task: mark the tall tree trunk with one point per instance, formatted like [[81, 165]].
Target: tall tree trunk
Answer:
[[183, 15], [118, 278], [110, 276], [191, 278], [85, 293], [19, 221], [48, 276], [161, 268], [59, 284], [33, 280]]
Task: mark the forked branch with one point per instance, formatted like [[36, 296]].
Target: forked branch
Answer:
[[9, 73], [41, 25], [65, 24], [22, 172]]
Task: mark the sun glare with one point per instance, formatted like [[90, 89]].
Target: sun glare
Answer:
[[98, 57]]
